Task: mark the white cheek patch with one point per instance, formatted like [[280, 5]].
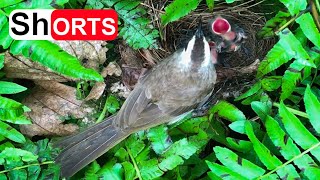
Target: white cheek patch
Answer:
[[186, 53], [207, 53]]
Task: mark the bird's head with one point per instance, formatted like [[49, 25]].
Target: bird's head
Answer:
[[221, 26], [197, 50]]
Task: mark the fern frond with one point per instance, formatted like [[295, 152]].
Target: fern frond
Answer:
[[136, 30]]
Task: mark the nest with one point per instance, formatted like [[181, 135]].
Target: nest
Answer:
[[175, 35]]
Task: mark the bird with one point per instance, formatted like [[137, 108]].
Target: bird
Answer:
[[232, 36], [170, 90]]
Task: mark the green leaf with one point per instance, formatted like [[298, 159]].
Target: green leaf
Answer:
[[228, 111], [230, 1], [159, 138], [296, 6], [111, 170], [170, 162], [273, 24], [262, 109], [91, 172], [51, 55], [10, 88], [18, 120], [309, 28], [297, 131], [237, 164], [15, 154], [113, 104], [52, 172], [10, 109], [149, 169], [178, 9], [289, 149], [268, 159], [253, 90], [239, 145], [11, 133], [1, 61], [289, 82], [224, 172], [271, 83], [312, 105], [276, 57], [137, 29], [292, 45], [210, 4], [5, 39], [135, 145], [9, 3], [182, 148], [129, 171]]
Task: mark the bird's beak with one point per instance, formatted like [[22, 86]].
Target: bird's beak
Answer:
[[199, 32], [220, 26]]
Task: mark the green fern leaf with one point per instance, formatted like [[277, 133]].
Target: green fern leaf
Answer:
[[239, 145], [273, 24], [1, 61], [276, 57], [289, 150], [228, 111], [51, 55], [129, 171], [11, 133], [136, 30], [5, 39], [29, 4], [149, 169], [296, 6], [309, 28], [289, 82], [298, 132], [111, 170], [10, 109], [237, 164], [253, 90], [268, 159], [271, 83], [312, 105], [17, 154], [9, 3], [224, 172], [159, 138], [178, 9], [10, 88]]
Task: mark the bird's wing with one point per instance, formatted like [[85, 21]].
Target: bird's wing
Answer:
[[140, 111]]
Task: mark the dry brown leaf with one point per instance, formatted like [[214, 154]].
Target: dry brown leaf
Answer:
[[90, 53], [112, 69], [51, 101], [22, 68], [96, 91]]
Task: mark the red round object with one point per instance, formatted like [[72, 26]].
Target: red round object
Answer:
[[220, 26]]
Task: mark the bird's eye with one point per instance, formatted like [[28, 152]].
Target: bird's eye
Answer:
[[220, 26]]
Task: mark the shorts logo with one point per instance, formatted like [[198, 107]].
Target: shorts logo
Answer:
[[40, 24]]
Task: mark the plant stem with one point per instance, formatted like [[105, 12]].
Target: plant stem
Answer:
[[134, 163], [25, 166], [294, 111], [103, 113], [291, 160], [290, 21]]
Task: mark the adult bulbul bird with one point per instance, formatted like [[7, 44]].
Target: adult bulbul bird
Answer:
[[173, 88], [232, 35]]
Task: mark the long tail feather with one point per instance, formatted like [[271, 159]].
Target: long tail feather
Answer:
[[81, 149]]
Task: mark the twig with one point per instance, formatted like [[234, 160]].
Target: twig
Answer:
[[25, 166]]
